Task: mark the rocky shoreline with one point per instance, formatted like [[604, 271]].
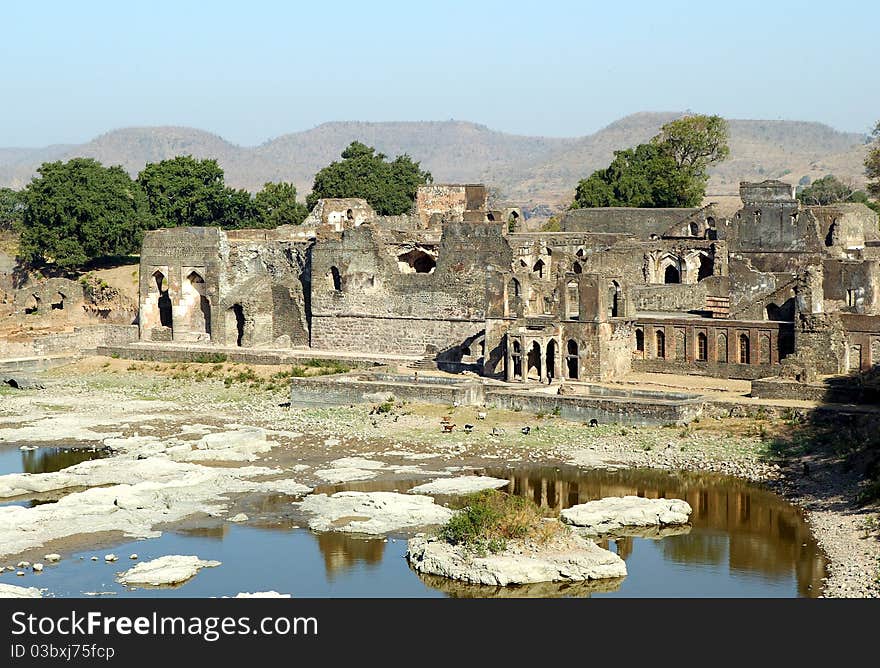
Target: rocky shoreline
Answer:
[[75, 400]]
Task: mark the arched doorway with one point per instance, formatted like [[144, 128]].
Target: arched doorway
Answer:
[[671, 275], [516, 360], [534, 361], [572, 360], [164, 302], [513, 293], [200, 318], [640, 342], [660, 339], [551, 360], [614, 299], [702, 347]]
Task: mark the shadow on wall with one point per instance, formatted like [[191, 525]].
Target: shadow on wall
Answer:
[[467, 356]]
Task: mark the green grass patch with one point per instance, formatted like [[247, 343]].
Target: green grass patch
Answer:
[[491, 518]]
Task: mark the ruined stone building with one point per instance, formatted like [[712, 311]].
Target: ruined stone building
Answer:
[[777, 289]]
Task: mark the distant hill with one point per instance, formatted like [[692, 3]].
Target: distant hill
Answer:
[[528, 170]]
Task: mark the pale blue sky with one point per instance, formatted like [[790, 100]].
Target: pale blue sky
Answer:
[[250, 71]]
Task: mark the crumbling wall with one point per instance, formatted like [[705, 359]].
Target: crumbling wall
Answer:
[[361, 300]]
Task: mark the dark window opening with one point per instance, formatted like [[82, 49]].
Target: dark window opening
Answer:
[[614, 305], [829, 238], [238, 312], [418, 261], [744, 352], [572, 360], [577, 268], [671, 275], [695, 230], [640, 340], [539, 268], [58, 305], [165, 316], [702, 347], [516, 358], [706, 267], [660, 337], [336, 278]]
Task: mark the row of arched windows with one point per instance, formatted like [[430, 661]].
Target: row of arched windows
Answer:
[[744, 348]]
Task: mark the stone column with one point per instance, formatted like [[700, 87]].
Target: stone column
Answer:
[[542, 363]]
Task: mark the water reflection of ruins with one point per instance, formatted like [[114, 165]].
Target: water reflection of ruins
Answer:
[[752, 529], [756, 530], [342, 552]]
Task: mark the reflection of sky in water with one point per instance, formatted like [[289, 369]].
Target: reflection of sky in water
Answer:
[[44, 459], [287, 561], [745, 541]]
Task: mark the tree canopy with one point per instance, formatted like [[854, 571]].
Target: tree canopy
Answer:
[[830, 190], [80, 210], [872, 164], [669, 171], [277, 205], [183, 191], [11, 208], [389, 187]]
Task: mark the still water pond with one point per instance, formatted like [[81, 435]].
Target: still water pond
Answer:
[[745, 541]]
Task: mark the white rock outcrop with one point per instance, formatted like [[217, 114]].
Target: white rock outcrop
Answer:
[[161, 491], [467, 484], [615, 513], [13, 591], [574, 559], [168, 570], [372, 512]]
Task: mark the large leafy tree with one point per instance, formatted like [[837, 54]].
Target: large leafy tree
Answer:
[[830, 190], [669, 171], [11, 208], [183, 191], [80, 210], [277, 205], [644, 176], [389, 187], [872, 164]]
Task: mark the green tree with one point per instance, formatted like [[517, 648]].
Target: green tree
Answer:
[[644, 176], [695, 142], [277, 205], [183, 191], [872, 164], [11, 208], [830, 190], [389, 187], [80, 210], [669, 171]]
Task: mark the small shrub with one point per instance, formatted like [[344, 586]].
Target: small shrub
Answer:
[[385, 407], [492, 518]]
